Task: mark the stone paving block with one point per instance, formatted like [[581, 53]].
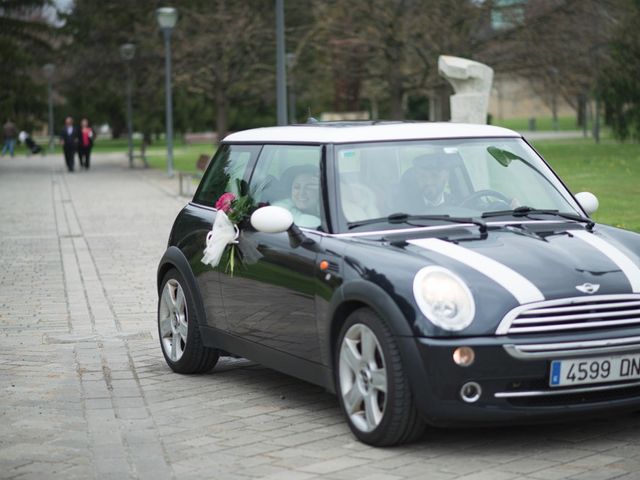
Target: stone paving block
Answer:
[[490, 474], [526, 465], [289, 475], [557, 472], [603, 473], [333, 465], [595, 460], [366, 472], [439, 476]]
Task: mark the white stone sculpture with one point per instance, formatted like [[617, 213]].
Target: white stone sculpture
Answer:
[[471, 82]]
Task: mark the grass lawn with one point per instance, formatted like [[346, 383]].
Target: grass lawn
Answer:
[[542, 123], [184, 156], [610, 170]]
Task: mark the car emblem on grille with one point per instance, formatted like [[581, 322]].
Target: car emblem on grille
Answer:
[[588, 288]]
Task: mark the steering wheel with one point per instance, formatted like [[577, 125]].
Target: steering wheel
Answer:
[[476, 196]]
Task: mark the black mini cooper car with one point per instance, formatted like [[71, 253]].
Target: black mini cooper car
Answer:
[[426, 273]]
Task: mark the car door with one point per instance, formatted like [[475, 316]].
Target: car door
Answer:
[[231, 164], [270, 297]]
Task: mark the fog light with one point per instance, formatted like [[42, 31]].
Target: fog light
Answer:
[[464, 356], [470, 392]]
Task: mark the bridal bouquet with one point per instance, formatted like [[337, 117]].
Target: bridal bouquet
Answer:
[[231, 211]]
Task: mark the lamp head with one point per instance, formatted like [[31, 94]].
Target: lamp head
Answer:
[[127, 51], [48, 70], [167, 17]]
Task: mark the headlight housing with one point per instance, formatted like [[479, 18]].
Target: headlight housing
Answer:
[[444, 298]]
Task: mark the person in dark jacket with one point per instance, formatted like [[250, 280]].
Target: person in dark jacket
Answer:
[[85, 143], [10, 133], [69, 142]]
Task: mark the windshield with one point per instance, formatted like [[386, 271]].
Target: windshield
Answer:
[[456, 177]]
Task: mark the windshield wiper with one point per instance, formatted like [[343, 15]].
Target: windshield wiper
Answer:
[[407, 218], [525, 211]]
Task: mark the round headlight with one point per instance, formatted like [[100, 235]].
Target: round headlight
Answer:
[[444, 298]]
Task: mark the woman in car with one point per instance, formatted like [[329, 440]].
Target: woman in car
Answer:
[[303, 202]]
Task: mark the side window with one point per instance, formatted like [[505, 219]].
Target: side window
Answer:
[[227, 167], [289, 176]]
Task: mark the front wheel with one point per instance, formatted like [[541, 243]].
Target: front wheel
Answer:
[[178, 328], [372, 387]]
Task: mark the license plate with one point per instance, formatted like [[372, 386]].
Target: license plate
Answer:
[[594, 370]]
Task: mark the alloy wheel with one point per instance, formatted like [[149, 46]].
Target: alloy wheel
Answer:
[[363, 377], [173, 320]]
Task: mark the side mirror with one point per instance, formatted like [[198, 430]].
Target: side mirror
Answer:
[[272, 219], [588, 201]]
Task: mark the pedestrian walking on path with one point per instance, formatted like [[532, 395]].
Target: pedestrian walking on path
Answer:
[[10, 133], [85, 143], [69, 140]]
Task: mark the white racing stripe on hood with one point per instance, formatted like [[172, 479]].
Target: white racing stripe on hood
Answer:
[[628, 267], [522, 289]]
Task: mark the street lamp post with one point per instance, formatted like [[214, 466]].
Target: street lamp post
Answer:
[[167, 17], [49, 70], [281, 74], [127, 52], [291, 62]]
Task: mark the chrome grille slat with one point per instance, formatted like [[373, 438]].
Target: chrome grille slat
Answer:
[[573, 314], [579, 316], [573, 326], [551, 351], [579, 308]]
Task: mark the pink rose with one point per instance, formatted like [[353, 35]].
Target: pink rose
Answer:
[[224, 202]]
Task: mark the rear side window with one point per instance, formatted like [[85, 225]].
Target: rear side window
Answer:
[[229, 165]]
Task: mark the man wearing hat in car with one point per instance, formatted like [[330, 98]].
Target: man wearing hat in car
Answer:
[[431, 176], [424, 185]]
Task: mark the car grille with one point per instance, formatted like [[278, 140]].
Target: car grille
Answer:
[[573, 314]]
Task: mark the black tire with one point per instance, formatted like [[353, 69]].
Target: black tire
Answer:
[[191, 355], [400, 421]]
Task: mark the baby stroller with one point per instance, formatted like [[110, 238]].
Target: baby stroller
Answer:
[[30, 143]]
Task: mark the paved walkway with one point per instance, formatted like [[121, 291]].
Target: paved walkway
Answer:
[[85, 392]]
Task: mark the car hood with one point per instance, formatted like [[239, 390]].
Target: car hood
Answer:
[[536, 266], [513, 266]]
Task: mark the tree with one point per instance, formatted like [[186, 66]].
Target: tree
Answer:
[[94, 83], [618, 83], [225, 52], [25, 42], [397, 43], [555, 45]]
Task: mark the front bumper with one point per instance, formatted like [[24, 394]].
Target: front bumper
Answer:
[[513, 374]]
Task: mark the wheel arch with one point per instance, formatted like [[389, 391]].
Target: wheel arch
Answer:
[[362, 294], [174, 258]]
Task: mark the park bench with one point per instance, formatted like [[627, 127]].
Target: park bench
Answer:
[[142, 155], [189, 181]]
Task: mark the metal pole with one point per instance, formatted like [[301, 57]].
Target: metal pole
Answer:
[[281, 74], [596, 121], [292, 102], [129, 115], [51, 132], [291, 61], [169, 108]]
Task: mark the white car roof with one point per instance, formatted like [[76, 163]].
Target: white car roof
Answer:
[[352, 132]]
